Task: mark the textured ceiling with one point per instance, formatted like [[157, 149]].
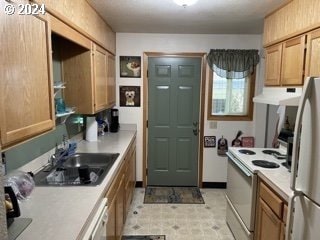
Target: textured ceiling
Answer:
[[205, 17]]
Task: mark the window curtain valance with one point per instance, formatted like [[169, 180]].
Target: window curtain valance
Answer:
[[233, 63]]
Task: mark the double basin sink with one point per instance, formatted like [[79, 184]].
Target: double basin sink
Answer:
[[80, 169]]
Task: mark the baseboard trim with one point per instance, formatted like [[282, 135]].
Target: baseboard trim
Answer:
[[214, 185], [139, 184]]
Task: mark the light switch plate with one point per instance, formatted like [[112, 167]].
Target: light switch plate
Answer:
[[213, 125]]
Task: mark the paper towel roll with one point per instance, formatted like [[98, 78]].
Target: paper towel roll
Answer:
[[92, 129]]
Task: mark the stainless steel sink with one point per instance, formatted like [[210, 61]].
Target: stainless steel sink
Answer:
[[90, 159], [67, 173]]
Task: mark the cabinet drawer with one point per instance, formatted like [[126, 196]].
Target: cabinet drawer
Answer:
[[273, 201]]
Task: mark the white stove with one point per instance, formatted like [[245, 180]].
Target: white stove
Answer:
[[246, 159], [242, 185]]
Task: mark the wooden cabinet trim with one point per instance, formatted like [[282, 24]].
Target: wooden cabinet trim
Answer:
[[110, 37], [285, 212], [291, 20], [69, 33], [12, 136], [273, 201]]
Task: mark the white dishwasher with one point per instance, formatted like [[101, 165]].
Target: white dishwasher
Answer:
[[97, 230]]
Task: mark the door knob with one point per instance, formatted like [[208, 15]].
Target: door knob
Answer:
[[195, 128], [195, 132]]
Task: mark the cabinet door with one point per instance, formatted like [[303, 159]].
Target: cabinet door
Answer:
[[26, 89], [111, 85], [273, 65], [313, 54], [293, 61], [269, 225], [100, 78]]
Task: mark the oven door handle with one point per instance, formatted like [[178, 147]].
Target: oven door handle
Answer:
[[239, 165]]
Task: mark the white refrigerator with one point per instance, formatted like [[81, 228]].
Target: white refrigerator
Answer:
[[304, 205]]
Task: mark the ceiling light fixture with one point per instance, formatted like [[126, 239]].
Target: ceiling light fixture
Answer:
[[185, 3]]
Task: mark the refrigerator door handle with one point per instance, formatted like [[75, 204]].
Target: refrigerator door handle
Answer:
[[297, 132], [290, 214]]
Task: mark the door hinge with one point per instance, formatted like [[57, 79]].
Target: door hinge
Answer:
[[147, 171], [147, 73], [147, 123]]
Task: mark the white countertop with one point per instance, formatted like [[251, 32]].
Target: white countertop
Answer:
[[62, 212], [276, 178]]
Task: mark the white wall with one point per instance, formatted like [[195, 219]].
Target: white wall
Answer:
[[128, 44]]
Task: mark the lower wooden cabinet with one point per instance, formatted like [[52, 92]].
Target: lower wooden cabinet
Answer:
[[269, 223], [271, 215], [120, 194]]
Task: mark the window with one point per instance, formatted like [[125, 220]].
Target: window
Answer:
[[230, 99]]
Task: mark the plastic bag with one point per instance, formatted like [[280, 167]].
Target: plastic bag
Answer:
[[22, 183]]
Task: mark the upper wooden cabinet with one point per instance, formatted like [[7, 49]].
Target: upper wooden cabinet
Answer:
[[273, 65], [285, 63], [100, 78], [104, 78], [88, 75], [26, 88], [293, 19], [313, 54], [292, 66]]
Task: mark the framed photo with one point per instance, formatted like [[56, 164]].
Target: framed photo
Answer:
[[129, 96], [210, 141], [247, 141], [130, 66]]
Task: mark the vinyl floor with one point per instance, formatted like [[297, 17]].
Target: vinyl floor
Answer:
[[180, 221]]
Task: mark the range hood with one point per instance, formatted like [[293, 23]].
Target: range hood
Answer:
[[279, 96]]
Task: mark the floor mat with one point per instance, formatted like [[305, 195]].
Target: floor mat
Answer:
[[150, 237], [176, 195]]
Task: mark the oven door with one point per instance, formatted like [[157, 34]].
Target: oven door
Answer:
[[241, 191]]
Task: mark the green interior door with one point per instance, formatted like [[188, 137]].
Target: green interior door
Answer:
[[174, 96]]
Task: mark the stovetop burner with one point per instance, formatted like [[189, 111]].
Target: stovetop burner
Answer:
[[274, 153], [265, 164], [270, 152], [247, 152]]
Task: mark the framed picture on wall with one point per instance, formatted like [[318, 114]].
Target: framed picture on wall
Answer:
[[129, 96], [247, 141], [130, 66], [210, 141]]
